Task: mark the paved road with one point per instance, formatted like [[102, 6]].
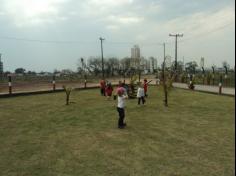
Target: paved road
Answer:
[[205, 88]]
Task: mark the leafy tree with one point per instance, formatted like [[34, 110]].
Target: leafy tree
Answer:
[[113, 65], [125, 64], [95, 65], [191, 67], [31, 73], [20, 71]]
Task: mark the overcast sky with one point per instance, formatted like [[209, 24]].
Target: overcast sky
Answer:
[[56, 33]]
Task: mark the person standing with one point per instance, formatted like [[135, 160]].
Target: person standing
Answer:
[[109, 90], [140, 94], [103, 87], [145, 86], [121, 107]]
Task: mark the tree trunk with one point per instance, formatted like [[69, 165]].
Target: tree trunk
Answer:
[[67, 98], [166, 95]]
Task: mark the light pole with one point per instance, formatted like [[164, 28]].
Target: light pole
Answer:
[[163, 76], [213, 76], [84, 72], [176, 55], [176, 46], [102, 56]]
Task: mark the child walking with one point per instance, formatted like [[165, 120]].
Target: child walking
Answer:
[[121, 107], [102, 87], [109, 90], [145, 86], [140, 94]]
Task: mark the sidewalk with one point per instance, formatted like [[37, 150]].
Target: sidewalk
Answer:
[[205, 88]]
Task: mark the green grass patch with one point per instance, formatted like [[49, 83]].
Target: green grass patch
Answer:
[[41, 136]]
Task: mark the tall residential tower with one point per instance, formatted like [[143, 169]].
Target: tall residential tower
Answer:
[[135, 57]]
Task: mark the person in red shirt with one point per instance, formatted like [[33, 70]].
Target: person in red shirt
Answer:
[[119, 85], [109, 90], [145, 86], [102, 87]]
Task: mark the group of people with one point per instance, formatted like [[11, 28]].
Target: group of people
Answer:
[[106, 89], [121, 94]]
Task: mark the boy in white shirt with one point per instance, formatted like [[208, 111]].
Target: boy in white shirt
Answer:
[[121, 106], [140, 94]]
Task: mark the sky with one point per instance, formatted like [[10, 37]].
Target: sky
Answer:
[[54, 34]]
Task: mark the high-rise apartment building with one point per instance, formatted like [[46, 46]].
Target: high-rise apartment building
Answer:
[[135, 56], [135, 52], [152, 64]]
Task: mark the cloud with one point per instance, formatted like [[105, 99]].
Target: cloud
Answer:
[[201, 22], [112, 27], [123, 19], [109, 3], [31, 12], [129, 21]]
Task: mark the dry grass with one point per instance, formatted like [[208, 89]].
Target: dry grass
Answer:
[[194, 136]]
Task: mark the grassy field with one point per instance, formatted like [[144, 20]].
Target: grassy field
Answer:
[[41, 136]]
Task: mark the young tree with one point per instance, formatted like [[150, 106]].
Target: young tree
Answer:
[[213, 74], [68, 92], [167, 80]]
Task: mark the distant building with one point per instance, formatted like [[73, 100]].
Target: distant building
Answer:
[[1, 65], [135, 52], [168, 61], [135, 57], [152, 64]]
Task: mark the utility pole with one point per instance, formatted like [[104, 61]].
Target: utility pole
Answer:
[[163, 76], [213, 76], [1, 67], [102, 56], [176, 46], [84, 72]]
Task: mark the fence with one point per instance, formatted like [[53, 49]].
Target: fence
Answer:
[[27, 83], [210, 79]]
